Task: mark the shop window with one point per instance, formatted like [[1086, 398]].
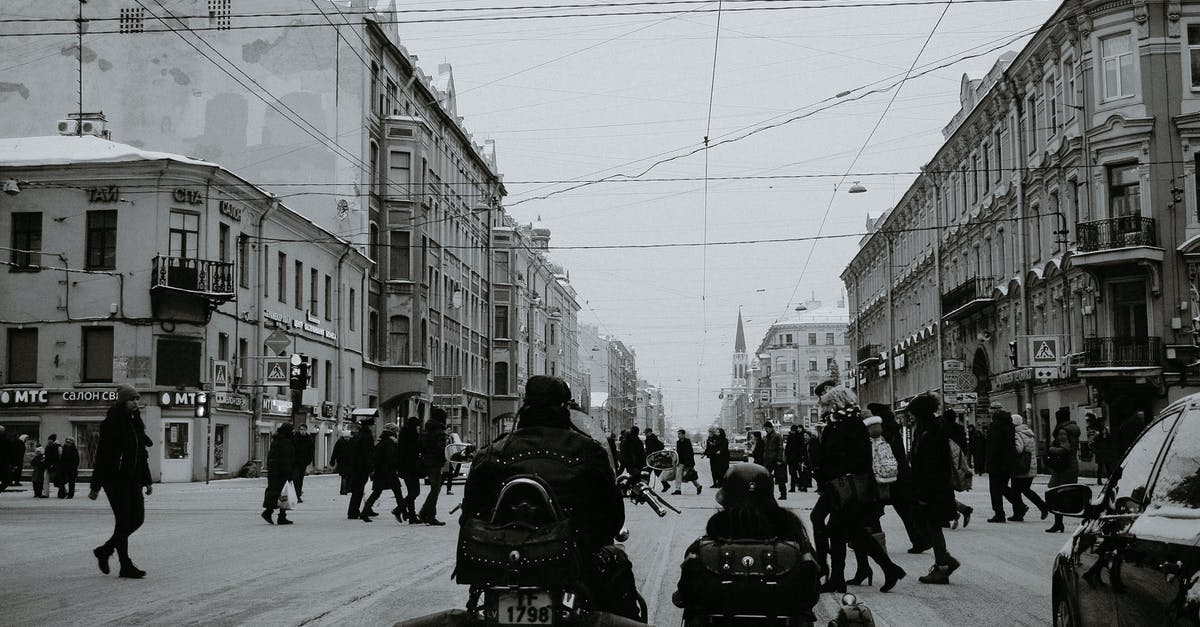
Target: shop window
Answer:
[[97, 353], [87, 437], [177, 362], [32, 429], [22, 355], [175, 440], [101, 240], [220, 460], [26, 239]]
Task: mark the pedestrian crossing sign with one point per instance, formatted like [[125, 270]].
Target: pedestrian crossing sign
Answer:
[[221, 376], [1043, 350], [277, 371]]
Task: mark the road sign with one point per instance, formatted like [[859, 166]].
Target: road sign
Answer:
[[1044, 350], [953, 365], [1046, 373], [278, 341], [962, 398], [277, 371], [959, 381], [221, 375]]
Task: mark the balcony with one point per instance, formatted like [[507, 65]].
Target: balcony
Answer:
[[967, 298], [869, 354], [1114, 241], [1127, 353], [189, 289]]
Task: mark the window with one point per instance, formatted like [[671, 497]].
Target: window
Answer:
[[975, 178], [1068, 99], [398, 339], [373, 248], [373, 335], [313, 372], [1139, 461], [376, 98], [829, 339], [787, 338], [223, 243], [243, 357], [328, 380], [399, 172], [177, 362], [812, 365], [401, 255], [26, 238], [87, 437], [501, 323], [503, 274], [281, 278], [222, 346], [1116, 56], [353, 309], [812, 389], [962, 187], [1124, 190], [985, 155], [219, 14], [175, 440], [812, 339], [500, 371], [185, 235], [101, 240], [374, 165], [352, 393], [1037, 116], [132, 20], [328, 297], [298, 284], [1193, 44], [220, 437], [313, 277], [22, 355], [243, 260], [97, 353], [1052, 89], [1178, 483]]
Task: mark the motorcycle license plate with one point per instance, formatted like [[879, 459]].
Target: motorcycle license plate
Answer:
[[525, 607]]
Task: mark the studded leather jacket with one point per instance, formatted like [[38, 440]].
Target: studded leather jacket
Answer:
[[574, 466]]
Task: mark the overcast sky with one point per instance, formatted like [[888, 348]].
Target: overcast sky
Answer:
[[582, 98]]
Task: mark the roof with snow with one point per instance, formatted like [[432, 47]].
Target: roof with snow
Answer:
[[18, 152], [815, 313]]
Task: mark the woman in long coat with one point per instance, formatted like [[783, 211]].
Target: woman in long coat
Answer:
[[1062, 471], [933, 491], [717, 451], [280, 461]]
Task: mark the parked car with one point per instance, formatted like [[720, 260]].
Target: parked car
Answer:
[[737, 449], [1135, 558]]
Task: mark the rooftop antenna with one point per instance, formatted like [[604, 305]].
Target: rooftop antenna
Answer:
[[79, 22]]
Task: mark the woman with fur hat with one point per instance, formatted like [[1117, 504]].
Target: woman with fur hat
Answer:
[[280, 463], [933, 491], [1024, 470]]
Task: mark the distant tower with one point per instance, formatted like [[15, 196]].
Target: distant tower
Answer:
[[740, 363]]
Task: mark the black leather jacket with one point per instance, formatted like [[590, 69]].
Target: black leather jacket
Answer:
[[574, 466]]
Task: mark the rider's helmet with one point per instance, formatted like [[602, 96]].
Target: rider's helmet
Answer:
[[746, 484]]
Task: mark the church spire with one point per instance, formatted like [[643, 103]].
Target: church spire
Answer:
[[739, 344]]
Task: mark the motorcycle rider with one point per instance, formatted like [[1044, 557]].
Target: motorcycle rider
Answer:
[[577, 469]]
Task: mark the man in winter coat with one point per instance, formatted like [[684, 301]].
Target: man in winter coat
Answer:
[[306, 445], [633, 453], [18, 458], [1063, 422], [654, 445], [122, 469], [978, 448], [281, 465], [1102, 444], [385, 463], [773, 457], [341, 461], [68, 469], [686, 463], [408, 444], [433, 457], [933, 490], [53, 457], [794, 450], [360, 461], [1001, 458]]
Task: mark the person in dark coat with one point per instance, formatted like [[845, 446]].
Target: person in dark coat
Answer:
[[653, 445], [19, 448], [977, 441], [53, 457], [686, 463], [957, 434], [900, 493], [385, 466], [1001, 459], [433, 442], [341, 461], [794, 450], [933, 489], [361, 446], [281, 465], [38, 464], [122, 469], [773, 457], [6, 462], [757, 448], [1063, 422], [1102, 444], [408, 445], [633, 453], [1062, 471], [716, 448], [306, 445], [68, 469]]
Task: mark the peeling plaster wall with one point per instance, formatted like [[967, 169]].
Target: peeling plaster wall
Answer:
[[159, 93]]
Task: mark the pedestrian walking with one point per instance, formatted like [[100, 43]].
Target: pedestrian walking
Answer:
[[281, 467], [685, 468], [306, 445], [53, 456], [900, 493], [1102, 445], [342, 461], [408, 445], [38, 464], [20, 447], [957, 434], [886, 471], [773, 458], [1024, 470], [385, 467], [1064, 423], [633, 453], [978, 449], [757, 449], [794, 449], [654, 445], [433, 456], [6, 465], [932, 485], [68, 469], [1001, 457], [450, 470], [361, 446], [1062, 471], [122, 469]]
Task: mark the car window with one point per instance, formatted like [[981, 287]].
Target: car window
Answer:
[[1178, 483], [1139, 462]]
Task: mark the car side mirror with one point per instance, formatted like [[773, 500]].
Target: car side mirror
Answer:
[[1071, 500]]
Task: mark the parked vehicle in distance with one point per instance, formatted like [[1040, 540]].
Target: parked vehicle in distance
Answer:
[[1135, 558], [737, 449]]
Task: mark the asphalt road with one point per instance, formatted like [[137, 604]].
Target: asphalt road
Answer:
[[211, 560]]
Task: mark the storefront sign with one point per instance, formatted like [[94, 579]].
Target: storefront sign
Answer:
[[103, 194], [276, 407], [296, 323], [89, 396], [24, 397], [1013, 377], [168, 399], [189, 196], [230, 210], [231, 400]]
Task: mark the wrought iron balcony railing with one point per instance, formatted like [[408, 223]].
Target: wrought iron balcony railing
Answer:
[[868, 353], [1120, 232], [1103, 352], [214, 279], [971, 290]]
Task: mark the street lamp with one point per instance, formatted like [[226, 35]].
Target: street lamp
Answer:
[[857, 188]]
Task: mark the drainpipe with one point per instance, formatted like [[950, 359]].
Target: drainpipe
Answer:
[[1022, 240], [937, 271], [341, 300], [256, 411]]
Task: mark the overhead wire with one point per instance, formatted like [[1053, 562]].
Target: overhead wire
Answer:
[[712, 86]]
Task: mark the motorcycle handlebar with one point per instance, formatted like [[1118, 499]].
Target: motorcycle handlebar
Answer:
[[639, 493]]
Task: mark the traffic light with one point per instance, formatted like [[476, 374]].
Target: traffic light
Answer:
[[298, 379], [1012, 353], [203, 408]]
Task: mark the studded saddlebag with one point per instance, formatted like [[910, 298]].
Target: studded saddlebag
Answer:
[[516, 553], [753, 577]]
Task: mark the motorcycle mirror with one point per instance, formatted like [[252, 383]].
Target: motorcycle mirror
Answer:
[[460, 452], [662, 460]]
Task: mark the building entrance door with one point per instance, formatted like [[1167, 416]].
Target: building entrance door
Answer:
[[177, 451]]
